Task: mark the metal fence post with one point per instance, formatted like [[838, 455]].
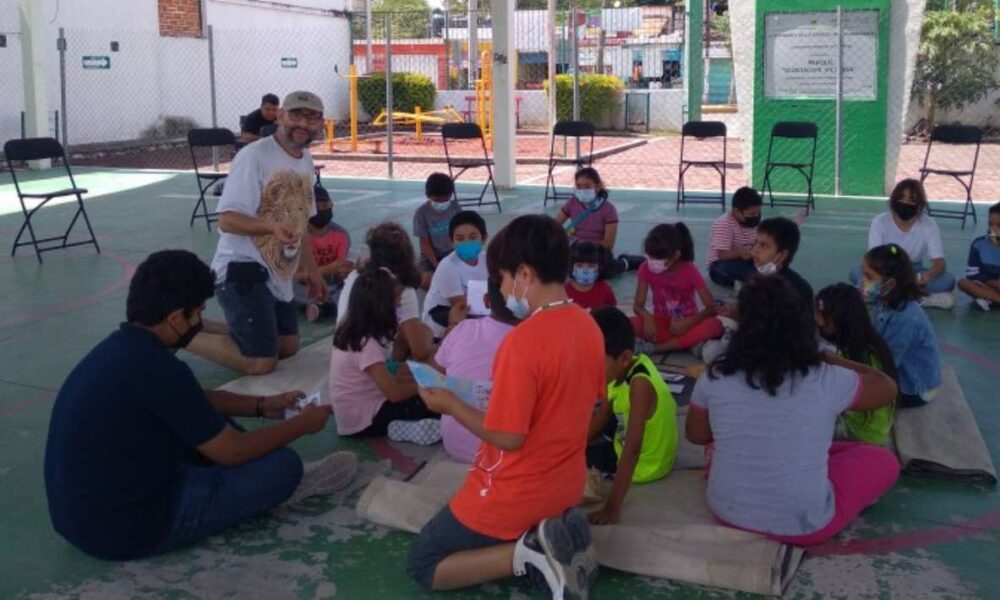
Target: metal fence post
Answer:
[[839, 125], [388, 93], [576, 71], [368, 37], [211, 91], [473, 23], [61, 44]]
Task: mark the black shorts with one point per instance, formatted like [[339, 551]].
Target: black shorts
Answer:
[[441, 537], [256, 319]]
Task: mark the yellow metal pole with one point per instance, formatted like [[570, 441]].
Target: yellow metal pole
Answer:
[[419, 123], [330, 123], [353, 79]]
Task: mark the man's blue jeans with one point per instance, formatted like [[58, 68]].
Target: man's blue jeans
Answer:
[[209, 499]]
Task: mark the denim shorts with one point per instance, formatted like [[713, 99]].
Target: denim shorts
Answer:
[[255, 317], [441, 537]]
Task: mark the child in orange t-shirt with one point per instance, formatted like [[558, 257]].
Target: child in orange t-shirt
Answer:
[[515, 510]]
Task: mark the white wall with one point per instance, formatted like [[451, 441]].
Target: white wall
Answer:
[[153, 76]]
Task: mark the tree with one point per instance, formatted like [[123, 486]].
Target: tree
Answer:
[[410, 19], [957, 62]]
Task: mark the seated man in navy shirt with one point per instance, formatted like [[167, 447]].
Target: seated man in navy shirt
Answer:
[[140, 460], [260, 118]]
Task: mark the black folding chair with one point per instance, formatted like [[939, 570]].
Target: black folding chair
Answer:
[[792, 130], [459, 165], [572, 133], [210, 138], [29, 149], [702, 130], [955, 135]]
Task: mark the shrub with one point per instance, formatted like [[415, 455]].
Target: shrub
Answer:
[[409, 90], [600, 98]]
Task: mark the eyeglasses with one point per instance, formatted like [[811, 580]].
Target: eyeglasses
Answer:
[[312, 118]]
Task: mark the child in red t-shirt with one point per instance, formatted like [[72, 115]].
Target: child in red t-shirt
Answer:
[[586, 287], [675, 323], [515, 510], [330, 245]]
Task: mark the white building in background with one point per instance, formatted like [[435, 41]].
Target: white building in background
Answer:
[[130, 64]]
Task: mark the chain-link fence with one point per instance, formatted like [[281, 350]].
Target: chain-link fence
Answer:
[[12, 117]]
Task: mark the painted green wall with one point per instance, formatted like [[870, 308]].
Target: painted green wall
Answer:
[[864, 122]]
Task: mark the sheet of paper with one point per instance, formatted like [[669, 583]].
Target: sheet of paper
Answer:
[[312, 399], [473, 393], [474, 298], [676, 388]]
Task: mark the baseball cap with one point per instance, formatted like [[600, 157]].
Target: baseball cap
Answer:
[[302, 99]]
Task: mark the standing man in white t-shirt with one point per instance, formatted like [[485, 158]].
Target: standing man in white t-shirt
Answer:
[[263, 212], [908, 225]]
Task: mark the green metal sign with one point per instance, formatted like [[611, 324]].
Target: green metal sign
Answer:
[[97, 62], [289, 62]]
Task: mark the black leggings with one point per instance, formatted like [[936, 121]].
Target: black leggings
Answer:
[[412, 409]]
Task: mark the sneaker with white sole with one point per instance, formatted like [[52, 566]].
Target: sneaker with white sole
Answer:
[[326, 476], [942, 300], [424, 432], [644, 347], [559, 551], [983, 304]]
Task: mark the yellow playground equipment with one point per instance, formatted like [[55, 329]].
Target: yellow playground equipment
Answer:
[[418, 118], [485, 112]]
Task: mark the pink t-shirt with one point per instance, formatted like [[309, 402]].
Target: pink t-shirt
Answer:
[[673, 291], [353, 394], [590, 229], [468, 353]]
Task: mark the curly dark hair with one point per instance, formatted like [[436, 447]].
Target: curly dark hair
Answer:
[[893, 263], [917, 194], [776, 336], [390, 247], [165, 281], [371, 311]]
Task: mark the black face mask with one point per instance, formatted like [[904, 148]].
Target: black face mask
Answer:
[[322, 218], [189, 335], [751, 221], [904, 211]]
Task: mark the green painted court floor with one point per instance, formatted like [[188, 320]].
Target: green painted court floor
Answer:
[[925, 539]]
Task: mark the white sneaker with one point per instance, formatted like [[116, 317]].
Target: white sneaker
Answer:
[[644, 347], [559, 551], [326, 476], [983, 304], [942, 300], [424, 432]]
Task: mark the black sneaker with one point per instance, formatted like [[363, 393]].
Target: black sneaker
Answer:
[[632, 262]]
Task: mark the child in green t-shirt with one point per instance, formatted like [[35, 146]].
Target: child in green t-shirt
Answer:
[[634, 432], [843, 321]]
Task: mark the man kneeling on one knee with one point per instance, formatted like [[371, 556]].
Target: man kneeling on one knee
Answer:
[[263, 212], [140, 460]]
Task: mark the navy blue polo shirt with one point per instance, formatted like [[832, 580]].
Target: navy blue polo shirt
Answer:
[[124, 420]]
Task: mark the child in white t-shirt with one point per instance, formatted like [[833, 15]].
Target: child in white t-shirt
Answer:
[[466, 263]]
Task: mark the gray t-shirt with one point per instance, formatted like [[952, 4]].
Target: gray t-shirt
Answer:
[[769, 466], [428, 222], [266, 182]]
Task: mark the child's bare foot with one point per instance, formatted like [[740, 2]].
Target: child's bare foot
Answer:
[[695, 371]]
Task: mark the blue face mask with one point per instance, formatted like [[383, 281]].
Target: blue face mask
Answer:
[[518, 307], [469, 251], [872, 292], [584, 275], [586, 196]]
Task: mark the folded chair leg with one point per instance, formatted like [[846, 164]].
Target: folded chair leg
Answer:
[[86, 221]]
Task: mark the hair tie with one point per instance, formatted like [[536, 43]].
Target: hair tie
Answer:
[[387, 270], [894, 249]]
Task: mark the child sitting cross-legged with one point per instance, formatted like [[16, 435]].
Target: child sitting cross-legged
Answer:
[[675, 322], [634, 432], [889, 283], [330, 244], [733, 236], [369, 400], [516, 509], [843, 321], [467, 263], [982, 272], [586, 287], [431, 222]]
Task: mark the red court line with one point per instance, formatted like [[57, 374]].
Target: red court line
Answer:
[[400, 462], [972, 357], [43, 313], [27, 403]]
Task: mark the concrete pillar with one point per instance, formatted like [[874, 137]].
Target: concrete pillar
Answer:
[[504, 133], [34, 46], [694, 79]]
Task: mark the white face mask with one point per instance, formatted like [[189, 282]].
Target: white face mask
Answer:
[[768, 269], [657, 265], [440, 206], [586, 196]]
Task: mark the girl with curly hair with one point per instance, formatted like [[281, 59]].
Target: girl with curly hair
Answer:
[[769, 405]]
